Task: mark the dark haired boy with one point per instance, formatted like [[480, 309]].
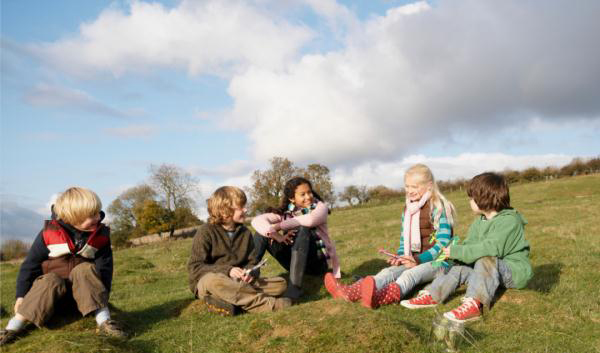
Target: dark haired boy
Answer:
[[494, 253]]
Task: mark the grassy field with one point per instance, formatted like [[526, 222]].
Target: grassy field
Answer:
[[558, 312]]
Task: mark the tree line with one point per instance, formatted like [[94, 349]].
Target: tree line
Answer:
[[166, 202]]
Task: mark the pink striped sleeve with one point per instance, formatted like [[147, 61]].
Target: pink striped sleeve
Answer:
[[315, 218], [263, 224]]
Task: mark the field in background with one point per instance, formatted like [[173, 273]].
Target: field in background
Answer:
[[559, 312]]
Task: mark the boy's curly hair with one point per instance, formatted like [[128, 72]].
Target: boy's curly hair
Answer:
[[222, 203], [489, 191], [76, 204]]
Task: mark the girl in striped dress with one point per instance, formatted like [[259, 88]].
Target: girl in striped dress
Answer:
[[427, 223]]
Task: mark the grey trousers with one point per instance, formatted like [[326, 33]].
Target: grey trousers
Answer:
[[482, 280]]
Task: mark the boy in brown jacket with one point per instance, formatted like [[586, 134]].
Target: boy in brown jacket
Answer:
[[222, 258]]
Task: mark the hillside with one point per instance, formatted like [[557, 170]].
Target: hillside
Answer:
[[559, 312]]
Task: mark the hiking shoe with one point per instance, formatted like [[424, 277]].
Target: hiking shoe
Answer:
[[111, 328], [469, 310], [220, 307], [423, 300], [282, 303], [7, 336]]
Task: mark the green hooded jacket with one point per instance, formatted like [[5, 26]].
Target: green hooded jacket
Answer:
[[503, 237]]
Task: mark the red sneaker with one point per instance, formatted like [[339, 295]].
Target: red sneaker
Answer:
[[469, 310], [423, 300]]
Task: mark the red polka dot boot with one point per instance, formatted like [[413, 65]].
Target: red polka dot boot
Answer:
[[349, 293], [373, 298]]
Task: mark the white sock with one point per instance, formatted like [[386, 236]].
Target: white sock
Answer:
[[15, 324], [102, 315]]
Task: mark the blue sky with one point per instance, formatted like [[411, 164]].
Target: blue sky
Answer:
[[94, 92]]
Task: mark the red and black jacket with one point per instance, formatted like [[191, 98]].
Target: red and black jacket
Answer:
[[59, 247]]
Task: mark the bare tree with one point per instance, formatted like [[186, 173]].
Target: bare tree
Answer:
[[174, 185]]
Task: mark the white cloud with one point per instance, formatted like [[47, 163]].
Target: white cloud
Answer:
[[415, 75], [465, 165], [53, 96], [197, 36], [418, 74]]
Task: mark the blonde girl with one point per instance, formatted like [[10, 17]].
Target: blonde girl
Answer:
[[427, 222]]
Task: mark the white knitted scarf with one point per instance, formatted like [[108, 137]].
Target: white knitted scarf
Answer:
[[411, 231]]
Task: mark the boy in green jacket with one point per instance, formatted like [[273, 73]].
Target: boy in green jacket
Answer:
[[494, 253]]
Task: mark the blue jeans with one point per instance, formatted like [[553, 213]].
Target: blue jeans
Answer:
[[406, 278], [482, 280]]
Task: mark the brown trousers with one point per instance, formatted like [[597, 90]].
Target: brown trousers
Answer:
[[88, 292], [258, 296]]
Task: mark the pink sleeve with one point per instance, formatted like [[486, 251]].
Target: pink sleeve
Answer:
[[263, 224], [315, 218]]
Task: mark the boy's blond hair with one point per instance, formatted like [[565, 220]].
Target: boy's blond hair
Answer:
[[77, 204], [222, 203], [424, 175]]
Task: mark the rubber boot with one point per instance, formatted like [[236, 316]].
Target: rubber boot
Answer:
[[349, 293], [298, 263], [260, 245], [373, 298]]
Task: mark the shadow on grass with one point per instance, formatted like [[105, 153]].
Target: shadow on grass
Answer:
[[311, 286], [65, 313], [138, 322], [545, 277], [369, 268]]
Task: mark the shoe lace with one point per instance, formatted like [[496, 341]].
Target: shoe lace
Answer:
[[422, 296], [466, 305]]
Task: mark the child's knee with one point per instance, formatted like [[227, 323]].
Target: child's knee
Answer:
[[83, 270], [51, 281], [486, 265]]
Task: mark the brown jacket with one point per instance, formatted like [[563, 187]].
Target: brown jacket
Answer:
[[214, 251]]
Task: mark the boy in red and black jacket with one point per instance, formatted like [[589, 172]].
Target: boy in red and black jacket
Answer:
[[71, 252]]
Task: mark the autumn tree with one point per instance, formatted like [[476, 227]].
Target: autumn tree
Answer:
[[143, 210], [318, 175], [125, 211], [267, 186]]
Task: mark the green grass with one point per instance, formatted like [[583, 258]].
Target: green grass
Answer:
[[558, 312]]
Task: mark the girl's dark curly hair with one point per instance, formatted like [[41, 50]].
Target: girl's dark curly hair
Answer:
[[289, 191]]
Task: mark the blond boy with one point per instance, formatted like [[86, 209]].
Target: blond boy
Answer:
[[70, 256], [222, 256]]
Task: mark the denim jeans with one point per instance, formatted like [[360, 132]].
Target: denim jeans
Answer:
[[406, 278], [482, 280]]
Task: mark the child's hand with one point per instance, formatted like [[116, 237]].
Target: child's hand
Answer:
[[408, 261], [18, 304], [237, 272], [283, 238], [394, 261], [446, 252], [247, 278]]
